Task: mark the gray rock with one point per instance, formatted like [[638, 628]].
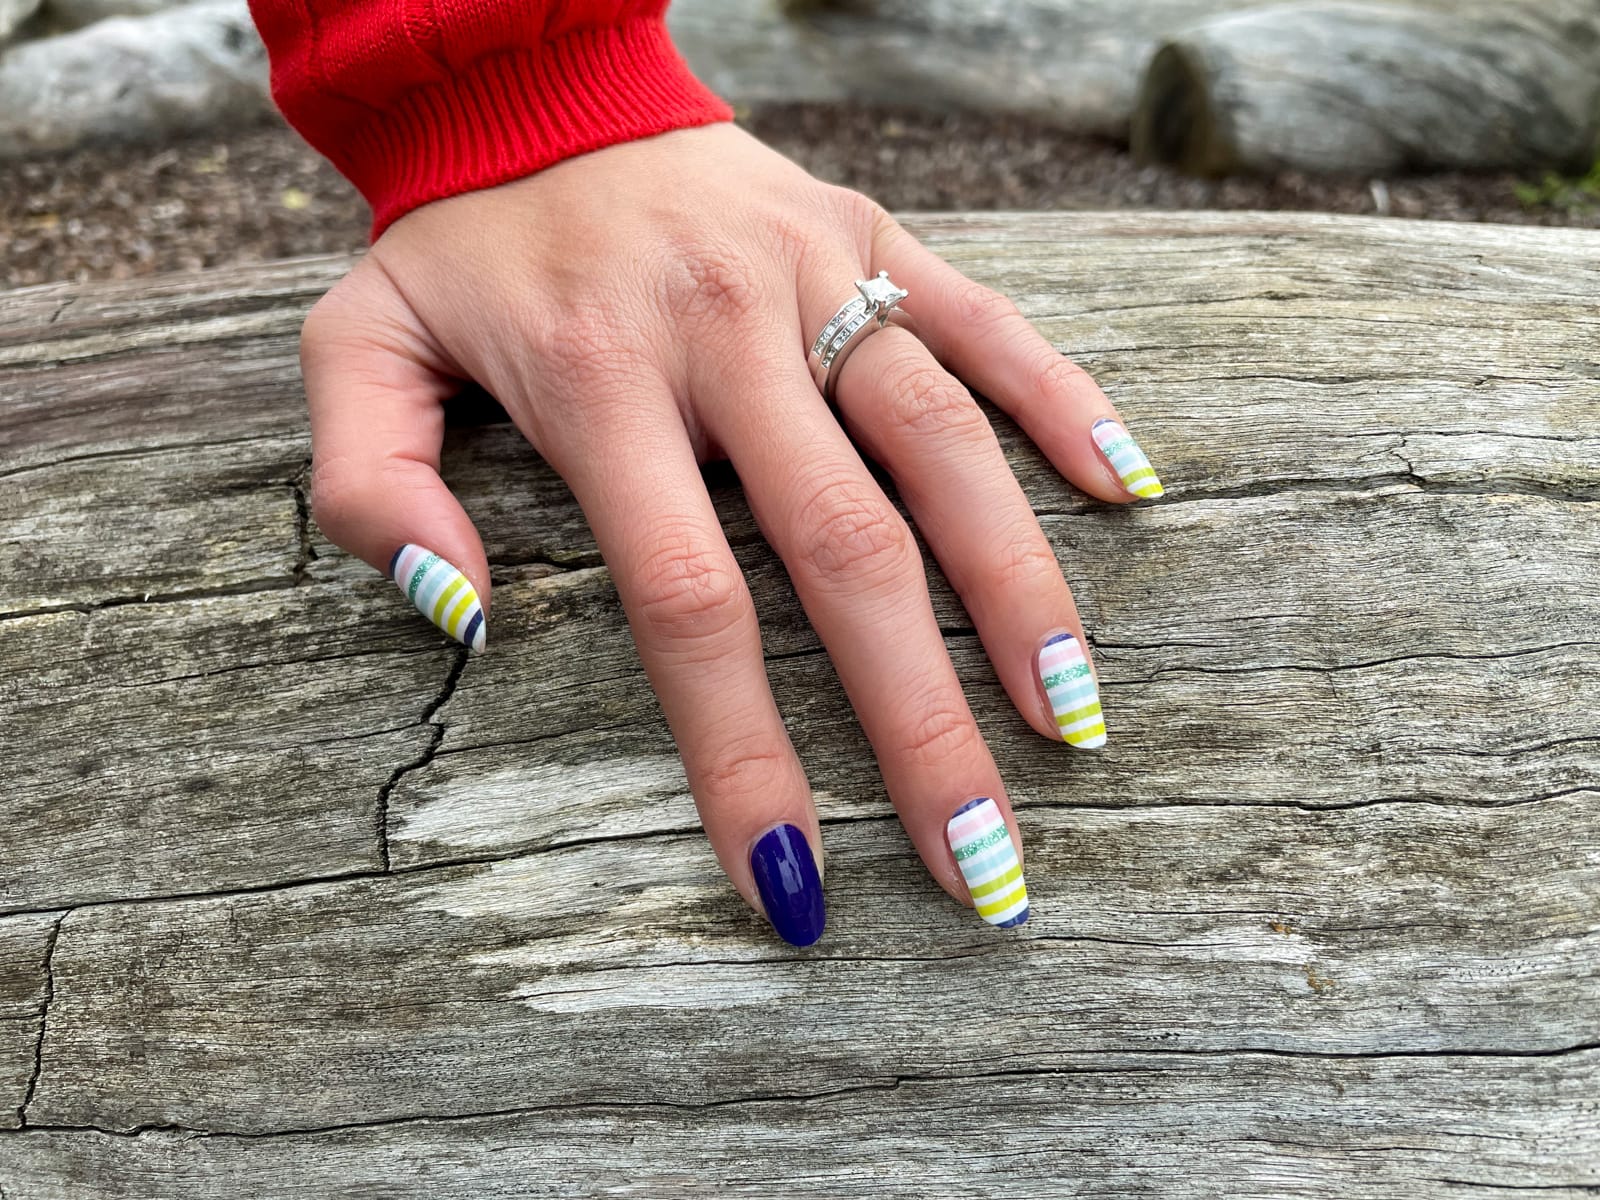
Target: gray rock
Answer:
[[13, 13], [133, 78], [74, 14]]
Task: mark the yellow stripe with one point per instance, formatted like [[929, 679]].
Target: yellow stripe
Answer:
[[1078, 714], [437, 616], [1083, 735], [1149, 490], [463, 605], [1133, 477], [1020, 892], [1004, 881]]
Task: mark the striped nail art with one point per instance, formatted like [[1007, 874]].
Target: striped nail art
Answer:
[[1126, 459], [440, 592], [1074, 698], [988, 861]]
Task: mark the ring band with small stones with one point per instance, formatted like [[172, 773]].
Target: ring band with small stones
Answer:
[[855, 319]]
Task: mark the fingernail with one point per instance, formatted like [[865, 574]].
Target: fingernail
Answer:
[[441, 593], [982, 845], [791, 890], [1126, 459], [1069, 686]]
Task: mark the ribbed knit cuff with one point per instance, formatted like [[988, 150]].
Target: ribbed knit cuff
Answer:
[[519, 111]]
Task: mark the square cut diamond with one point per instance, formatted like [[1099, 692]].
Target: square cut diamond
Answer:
[[879, 292]]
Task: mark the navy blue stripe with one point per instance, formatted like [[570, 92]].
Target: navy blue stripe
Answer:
[[395, 560], [471, 631], [1020, 919], [968, 806]]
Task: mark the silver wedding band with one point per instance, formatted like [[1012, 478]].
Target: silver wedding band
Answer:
[[875, 306]]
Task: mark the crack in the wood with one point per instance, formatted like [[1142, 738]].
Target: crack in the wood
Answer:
[[1414, 485], [889, 1084], [1515, 751], [381, 814], [1592, 1189], [249, 587], [310, 660], [44, 1018], [1366, 488], [138, 451], [61, 308], [305, 553], [1301, 805], [559, 845], [1364, 664], [577, 560]]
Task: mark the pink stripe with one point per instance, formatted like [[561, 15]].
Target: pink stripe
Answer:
[[968, 825], [1062, 654], [409, 559]]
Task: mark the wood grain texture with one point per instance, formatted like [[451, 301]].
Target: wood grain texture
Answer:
[[301, 901], [1107, 1126]]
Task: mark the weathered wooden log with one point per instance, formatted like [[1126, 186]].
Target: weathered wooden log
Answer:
[[1336, 86], [1075, 63], [296, 899]]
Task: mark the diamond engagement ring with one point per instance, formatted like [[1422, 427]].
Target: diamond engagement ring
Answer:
[[859, 316]]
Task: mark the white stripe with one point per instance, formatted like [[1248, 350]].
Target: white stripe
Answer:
[[434, 582], [1086, 723], [977, 879]]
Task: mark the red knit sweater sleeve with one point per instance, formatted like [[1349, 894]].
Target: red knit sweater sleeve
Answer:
[[414, 100]]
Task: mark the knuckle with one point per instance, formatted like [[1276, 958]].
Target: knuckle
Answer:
[[854, 210], [346, 492], [923, 399], [1025, 563], [754, 767], [690, 592], [715, 284], [938, 735], [336, 495], [852, 535], [580, 345], [1057, 374], [984, 308], [325, 329], [795, 242]]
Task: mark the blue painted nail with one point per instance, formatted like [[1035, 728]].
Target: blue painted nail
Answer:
[[790, 887]]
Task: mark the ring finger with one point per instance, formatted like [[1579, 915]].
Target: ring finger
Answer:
[[924, 427]]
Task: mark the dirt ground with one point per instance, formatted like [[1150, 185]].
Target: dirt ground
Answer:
[[116, 212]]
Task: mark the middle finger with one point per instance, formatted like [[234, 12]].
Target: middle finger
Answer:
[[858, 574]]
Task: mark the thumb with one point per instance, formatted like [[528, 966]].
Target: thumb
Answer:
[[375, 389]]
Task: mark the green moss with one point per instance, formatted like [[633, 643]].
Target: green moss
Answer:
[[1570, 194]]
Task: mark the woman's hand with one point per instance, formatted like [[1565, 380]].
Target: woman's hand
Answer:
[[647, 307]]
